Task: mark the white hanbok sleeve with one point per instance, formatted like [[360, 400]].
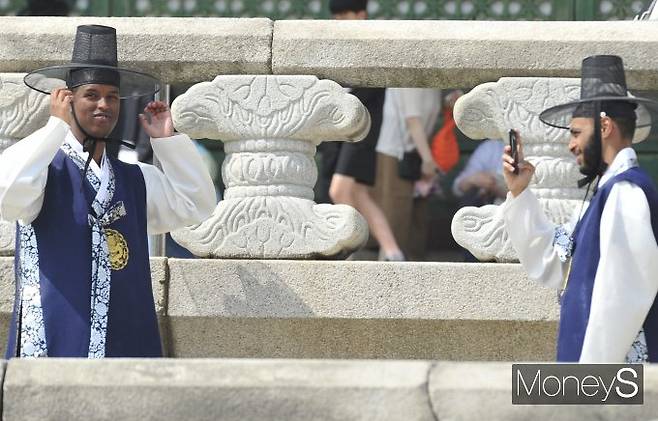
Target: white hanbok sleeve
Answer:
[[533, 236], [182, 193], [626, 278], [24, 171]]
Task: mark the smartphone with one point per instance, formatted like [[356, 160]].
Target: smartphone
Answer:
[[515, 153]]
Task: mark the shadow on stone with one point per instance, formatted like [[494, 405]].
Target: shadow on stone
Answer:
[[263, 289]]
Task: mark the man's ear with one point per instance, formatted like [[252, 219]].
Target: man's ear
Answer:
[[607, 127]]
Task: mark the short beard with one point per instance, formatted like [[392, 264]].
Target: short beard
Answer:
[[591, 165]]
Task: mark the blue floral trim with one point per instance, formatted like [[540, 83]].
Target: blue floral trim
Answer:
[[639, 352], [563, 243], [33, 334]]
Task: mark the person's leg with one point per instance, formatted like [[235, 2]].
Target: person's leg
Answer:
[[329, 152], [419, 229], [403, 212], [346, 190], [395, 198]]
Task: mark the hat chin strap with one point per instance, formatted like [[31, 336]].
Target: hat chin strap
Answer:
[[88, 144]]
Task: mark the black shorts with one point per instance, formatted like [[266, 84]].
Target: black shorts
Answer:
[[358, 160]]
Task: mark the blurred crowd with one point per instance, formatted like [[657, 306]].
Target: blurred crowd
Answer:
[[406, 164]]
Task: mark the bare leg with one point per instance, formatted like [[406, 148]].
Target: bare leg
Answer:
[[345, 190]]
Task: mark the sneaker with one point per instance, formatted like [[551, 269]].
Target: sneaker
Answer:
[[396, 257]]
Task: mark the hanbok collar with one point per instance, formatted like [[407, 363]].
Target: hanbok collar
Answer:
[[102, 173], [73, 142], [625, 159]]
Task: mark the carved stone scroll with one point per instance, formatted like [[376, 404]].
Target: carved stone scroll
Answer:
[[270, 126], [22, 111]]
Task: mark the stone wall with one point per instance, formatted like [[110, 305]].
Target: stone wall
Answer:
[[325, 309]]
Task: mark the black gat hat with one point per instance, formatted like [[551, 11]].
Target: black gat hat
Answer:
[[94, 61], [603, 86]]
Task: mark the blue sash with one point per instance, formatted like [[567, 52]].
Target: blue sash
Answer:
[[577, 298]]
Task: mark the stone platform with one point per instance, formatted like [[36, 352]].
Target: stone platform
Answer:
[[334, 309], [162, 389]]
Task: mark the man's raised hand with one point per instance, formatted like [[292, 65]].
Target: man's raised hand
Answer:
[[159, 122], [60, 104], [516, 183]]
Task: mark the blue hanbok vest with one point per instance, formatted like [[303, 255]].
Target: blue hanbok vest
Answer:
[[63, 238], [574, 312]]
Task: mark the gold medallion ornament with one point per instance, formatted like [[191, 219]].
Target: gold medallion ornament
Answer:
[[117, 248]]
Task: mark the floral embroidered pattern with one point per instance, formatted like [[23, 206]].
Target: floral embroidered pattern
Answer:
[[100, 291], [79, 162], [33, 334], [639, 352], [563, 243]]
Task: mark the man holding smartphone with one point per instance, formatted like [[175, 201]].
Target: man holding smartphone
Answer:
[[605, 261]]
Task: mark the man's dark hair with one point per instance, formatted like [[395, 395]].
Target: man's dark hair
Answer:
[[626, 126], [342, 6], [621, 112], [46, 8]]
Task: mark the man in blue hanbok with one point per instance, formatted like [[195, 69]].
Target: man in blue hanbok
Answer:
[[605, 262], [83, 284]]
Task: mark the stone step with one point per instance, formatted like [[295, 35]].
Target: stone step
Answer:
[[344, 309], [209, 389]]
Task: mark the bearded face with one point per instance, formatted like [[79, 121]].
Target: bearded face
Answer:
[[583, 145]]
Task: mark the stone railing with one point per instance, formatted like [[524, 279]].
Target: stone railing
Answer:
[[440, 54], [223, 390], [270, 126], [272, 168]]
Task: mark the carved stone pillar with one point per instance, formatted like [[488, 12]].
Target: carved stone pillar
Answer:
[[22, 111], [270, 126], [489, 111]]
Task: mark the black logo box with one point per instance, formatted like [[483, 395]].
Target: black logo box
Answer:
[[577, 384]]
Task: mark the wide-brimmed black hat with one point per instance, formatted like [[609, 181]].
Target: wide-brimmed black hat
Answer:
[[603, 81], [94, 62]]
